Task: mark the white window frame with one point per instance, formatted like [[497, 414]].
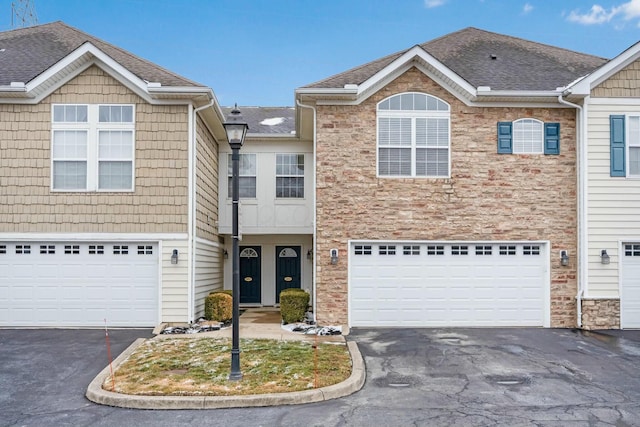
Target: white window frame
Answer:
[[241, 175], [93, 127], [297, 155], [628, 144], [516, 149], [413, 115]]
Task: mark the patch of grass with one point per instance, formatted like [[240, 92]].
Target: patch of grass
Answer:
[[200, 367]]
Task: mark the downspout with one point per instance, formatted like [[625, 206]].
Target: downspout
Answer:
[[193, 164], [582, 207], [315, 252]]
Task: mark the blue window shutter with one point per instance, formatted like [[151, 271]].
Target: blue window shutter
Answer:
[[617, 146], [552, 138], [505, 145]]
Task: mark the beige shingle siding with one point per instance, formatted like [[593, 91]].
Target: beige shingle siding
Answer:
[[206, 184], [159, 203], [624, 84], [488, 197]]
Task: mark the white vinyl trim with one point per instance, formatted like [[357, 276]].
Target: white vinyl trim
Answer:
[[98, 237]]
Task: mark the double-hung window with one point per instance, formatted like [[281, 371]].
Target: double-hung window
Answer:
[[290, 176], [247, 176], [413, 136], [93, 147]]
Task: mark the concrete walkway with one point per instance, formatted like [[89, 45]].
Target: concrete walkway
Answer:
[[261, 323]]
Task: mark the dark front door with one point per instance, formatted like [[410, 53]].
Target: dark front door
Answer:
[[287, 268], [250, 289]]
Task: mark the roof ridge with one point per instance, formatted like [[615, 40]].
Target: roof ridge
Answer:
[[519, 39], [125, 52]]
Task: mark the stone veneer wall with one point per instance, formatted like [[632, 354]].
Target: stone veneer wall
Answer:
[[488, 197], [601, 314]]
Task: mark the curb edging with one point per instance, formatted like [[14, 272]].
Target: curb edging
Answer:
[[97, 394]]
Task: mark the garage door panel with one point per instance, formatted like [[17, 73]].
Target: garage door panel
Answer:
[[486, 288], [79, 284], [630, 286]]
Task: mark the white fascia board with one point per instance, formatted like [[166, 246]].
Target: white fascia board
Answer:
[[615, 101], [87, 55], [409, 56], [520, 93], [187, 91], [76, 55], [286, 136], [399, 65], [132, 237], [584, 86], [327, 91]]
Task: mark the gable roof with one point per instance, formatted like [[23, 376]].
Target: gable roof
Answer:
[[582, 87], [26, 53], [478, 59], [36, 61]]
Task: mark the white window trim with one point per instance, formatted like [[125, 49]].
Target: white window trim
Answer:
[[513, 136], [303, 176], [93, 127], [413, 115], [628, 145], [229, 175]]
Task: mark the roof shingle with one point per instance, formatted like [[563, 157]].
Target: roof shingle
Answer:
[[483, 58], [28, 52]]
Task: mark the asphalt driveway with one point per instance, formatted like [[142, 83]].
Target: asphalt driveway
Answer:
[[439, 377]]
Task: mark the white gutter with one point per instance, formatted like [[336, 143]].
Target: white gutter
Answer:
[[581, 146], [193, 157], [480, 91], [315, 215]]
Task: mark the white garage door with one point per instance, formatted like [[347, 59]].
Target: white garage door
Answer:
[[630, 286], [448, 284], [78, 284]]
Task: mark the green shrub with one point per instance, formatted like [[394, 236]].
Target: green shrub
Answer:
[[222, 291], [218, 306], [293, 304]]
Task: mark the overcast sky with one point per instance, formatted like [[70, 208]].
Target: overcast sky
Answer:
[[256, 52]]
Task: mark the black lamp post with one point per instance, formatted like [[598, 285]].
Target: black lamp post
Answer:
[[236, 128]]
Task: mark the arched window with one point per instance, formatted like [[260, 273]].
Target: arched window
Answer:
[[528, 136], [413, 136]]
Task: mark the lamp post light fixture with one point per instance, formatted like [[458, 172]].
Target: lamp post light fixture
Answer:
[[236, 128]]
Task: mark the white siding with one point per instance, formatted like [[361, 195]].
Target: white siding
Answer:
[[175, 283], [208, 273], [613, 203], [266, 214]]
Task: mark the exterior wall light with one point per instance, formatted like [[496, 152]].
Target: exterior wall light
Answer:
[[564, 258], [226, 254], [174, 257], [334, 256], [310, 254], [604, 257]]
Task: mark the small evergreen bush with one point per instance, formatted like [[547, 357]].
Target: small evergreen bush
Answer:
[[293, 304], [218, 306]]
